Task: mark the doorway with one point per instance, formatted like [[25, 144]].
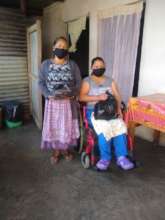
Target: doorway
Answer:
[[34, 41], [81, 55]]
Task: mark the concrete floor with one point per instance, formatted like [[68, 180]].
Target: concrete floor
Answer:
[[32, 189]]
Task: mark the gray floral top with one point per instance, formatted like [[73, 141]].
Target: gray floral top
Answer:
[[59, 80]]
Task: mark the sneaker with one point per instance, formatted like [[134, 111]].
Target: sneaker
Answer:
[[103, 164], [124, 163]]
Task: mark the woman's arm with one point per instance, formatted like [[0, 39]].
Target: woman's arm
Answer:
[[42, 80], [84, 97], [116, 93]]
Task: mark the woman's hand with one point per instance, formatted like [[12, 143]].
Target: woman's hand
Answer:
[[102, 97], [119, 112]]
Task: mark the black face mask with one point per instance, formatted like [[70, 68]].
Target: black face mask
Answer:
[[60, 53], [99, 72]]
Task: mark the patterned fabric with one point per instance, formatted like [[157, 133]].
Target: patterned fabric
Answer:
[[109, 129], [49, 67], [60, 130], [59, 79], [148, 110]]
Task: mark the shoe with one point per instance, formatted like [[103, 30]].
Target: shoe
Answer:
[[103, 165], [68, 155], [55, 158], [124, 163]]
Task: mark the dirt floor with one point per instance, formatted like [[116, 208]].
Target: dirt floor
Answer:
[[32, 189]]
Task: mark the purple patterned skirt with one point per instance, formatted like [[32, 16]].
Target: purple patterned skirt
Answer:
[[60, 130]]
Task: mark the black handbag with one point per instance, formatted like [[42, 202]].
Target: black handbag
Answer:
[[106, 110]]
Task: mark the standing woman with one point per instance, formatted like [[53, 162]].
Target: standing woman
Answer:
[[60, 81]]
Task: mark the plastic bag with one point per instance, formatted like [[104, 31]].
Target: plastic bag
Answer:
[[106, 110], [13, 111]]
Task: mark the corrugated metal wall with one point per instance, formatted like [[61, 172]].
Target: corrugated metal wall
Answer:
[[13, 58]]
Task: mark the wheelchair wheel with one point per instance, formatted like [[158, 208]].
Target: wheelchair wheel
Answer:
[[85, 160], [82, 134]]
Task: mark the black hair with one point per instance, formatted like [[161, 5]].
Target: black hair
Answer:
[[97, 58], [60, 38]]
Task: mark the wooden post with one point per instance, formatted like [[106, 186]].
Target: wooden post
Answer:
[[131, 130], [0, 117], [156, 137], [23, 6]]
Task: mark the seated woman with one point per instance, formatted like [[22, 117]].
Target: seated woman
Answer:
[[111, 132]]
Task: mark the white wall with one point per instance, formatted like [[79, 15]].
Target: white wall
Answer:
[[152, 71], [53, 26]]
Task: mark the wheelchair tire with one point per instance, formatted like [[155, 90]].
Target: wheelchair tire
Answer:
[[85, 160]]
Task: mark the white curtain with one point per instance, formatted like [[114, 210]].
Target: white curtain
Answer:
[[74, 29], [118, 43]]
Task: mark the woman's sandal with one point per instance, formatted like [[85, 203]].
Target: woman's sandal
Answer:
[[55, 158], [68, 156]]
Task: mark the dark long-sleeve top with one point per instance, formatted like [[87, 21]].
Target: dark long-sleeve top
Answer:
[[58, 80]]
